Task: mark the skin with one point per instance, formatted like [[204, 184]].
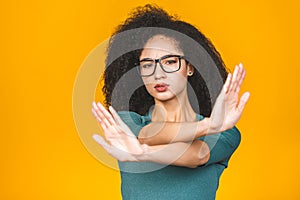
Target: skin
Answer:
[[164, 140], [172, 105]]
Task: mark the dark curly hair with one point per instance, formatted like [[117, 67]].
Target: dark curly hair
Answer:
[[123, 54]]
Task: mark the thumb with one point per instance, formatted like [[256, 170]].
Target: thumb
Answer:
[[99, 139], [244, 99]]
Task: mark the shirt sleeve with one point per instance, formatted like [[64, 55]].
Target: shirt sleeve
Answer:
[[136, 122], [133, 120], [222, 146]]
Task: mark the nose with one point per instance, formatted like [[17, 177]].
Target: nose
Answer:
[[159, 72]]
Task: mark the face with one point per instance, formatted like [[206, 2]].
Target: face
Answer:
[[164, 86]]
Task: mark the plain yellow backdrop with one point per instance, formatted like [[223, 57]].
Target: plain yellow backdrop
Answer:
[[43, 44]]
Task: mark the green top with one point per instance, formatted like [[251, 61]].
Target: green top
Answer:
[[146, 180]]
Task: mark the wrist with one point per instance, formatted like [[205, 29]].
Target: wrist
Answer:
[[203, 127], [144, 157], [214, 128]]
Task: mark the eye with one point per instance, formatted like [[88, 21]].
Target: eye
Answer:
[[170, 61], [146, 65]]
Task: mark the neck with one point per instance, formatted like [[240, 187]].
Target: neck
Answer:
[[177, 109]]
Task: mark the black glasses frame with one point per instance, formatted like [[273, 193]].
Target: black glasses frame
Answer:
[[158, 61]]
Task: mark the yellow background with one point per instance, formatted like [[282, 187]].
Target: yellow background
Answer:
[[43, 44]]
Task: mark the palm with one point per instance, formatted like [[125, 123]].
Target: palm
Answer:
[[232, 113], [228, 109], [121, 137], [123, 145]]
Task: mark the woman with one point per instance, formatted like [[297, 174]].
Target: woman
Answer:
[[165, 149]]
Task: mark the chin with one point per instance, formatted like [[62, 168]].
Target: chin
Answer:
[[166, 96]]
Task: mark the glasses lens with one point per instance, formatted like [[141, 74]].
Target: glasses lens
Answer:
[[147, 67], [171, 64]]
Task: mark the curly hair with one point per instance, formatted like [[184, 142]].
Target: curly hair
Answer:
[[123, 54]]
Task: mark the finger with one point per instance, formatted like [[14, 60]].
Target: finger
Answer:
[[100, 111], [115, 152], [227, 82], [96, 115], [107, 115], [236, 68], [241, 78], [102, 142], [109, 123], [238, 87], [99, 115], [236, 78], [97, 111], [108, 129], [105, 129], [243, 101], [116, 116], [120, 121]]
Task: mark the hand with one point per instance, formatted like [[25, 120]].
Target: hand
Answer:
[[123, 145], [228, 109]]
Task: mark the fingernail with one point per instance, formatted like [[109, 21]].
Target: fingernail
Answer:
[[248, 94], [97, 138]]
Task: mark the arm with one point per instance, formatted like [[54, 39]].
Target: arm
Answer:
[[222, 146], [226, 113], [158, 133], [124, 146], [189, 155]]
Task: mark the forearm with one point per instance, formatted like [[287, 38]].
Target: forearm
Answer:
[[158, 133], [179, 154]]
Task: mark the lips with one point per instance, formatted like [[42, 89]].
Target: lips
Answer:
[[162, 87]]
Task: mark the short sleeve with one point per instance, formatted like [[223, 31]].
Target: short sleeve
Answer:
[[134, 121], [222, 145]]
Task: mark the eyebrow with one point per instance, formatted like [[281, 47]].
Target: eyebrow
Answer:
[[151, 59], [146, 59]]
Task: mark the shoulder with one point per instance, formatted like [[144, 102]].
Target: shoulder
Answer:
[[231, 136], [134, 117], [134, 120]]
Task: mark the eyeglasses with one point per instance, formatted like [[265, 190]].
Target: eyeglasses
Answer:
[[168, 63]]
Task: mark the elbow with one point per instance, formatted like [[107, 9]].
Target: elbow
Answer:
[[201, 156], [143, 140], [204, 154]]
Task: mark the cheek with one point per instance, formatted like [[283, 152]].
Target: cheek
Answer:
[[147, 80], [148, 84], [178, 83], [179, 78]]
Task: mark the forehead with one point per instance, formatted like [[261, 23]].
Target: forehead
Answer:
[[159, 45]]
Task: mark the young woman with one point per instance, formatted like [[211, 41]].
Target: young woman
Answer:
[[167, 150]]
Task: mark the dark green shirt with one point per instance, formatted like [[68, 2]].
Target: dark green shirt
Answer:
[[146, 180]]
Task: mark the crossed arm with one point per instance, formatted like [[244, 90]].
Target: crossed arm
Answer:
[[172, 143], [123, 145]]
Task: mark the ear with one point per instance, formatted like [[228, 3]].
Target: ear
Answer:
[[190, 69]]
